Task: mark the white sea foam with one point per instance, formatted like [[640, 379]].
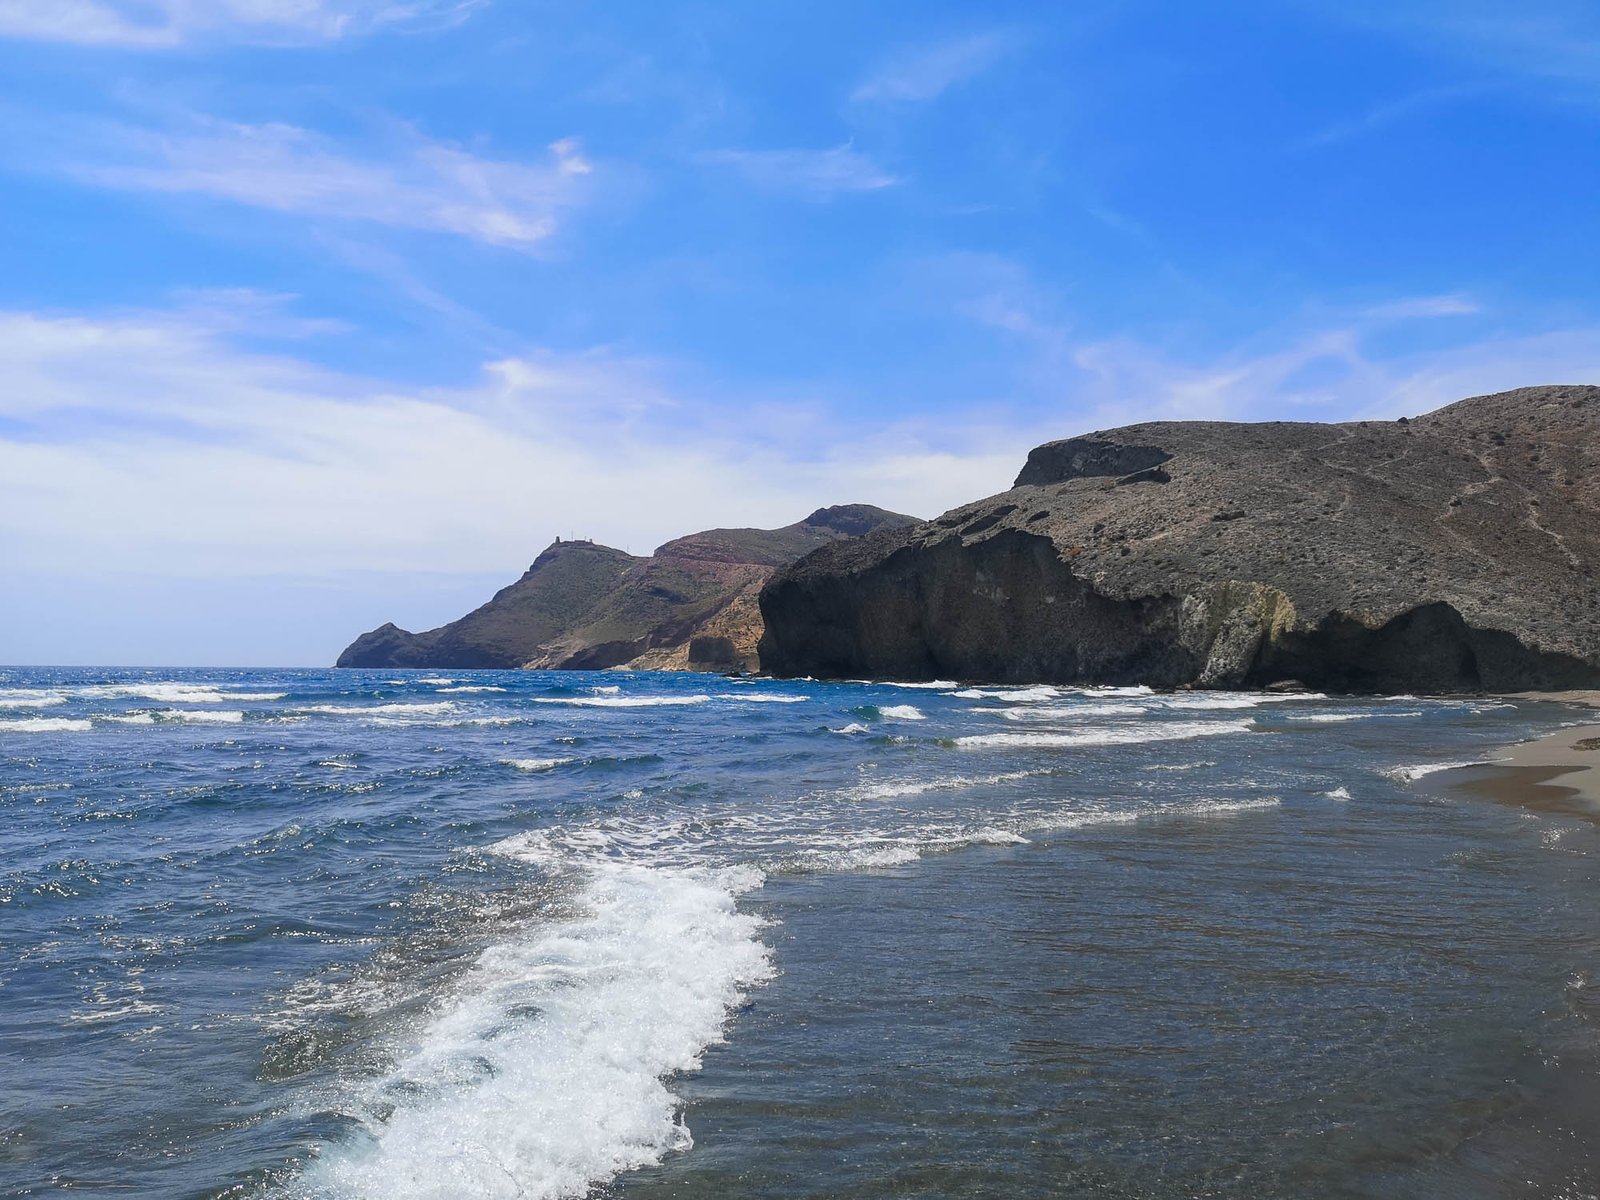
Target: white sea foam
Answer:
[[624, 701], [1056, 712], [901, 712], [437, 680], [471, 688], [546, 1073], [1338, 793], [174, 693], [382, 710], [853, 727], [31, 697], [1177, 808], [1410, 774], [893, 789], [45, 725], [609, 689], [941, 685], [536, 764], [1017, 695], [761, 698], [1341, 718], [1167, 731]]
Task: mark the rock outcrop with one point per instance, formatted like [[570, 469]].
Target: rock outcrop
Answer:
[[1458, 551], [693, 603]]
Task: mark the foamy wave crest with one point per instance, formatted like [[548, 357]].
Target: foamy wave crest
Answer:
[[471, 688], [175, 693], [45, 725], [760, 698], [1056, 712], [901, 712], [180, 716], [31, 698], [1017, 695], [852, 728], [1179, 808], [897, 852], [437, 680], [547, 1073], [1411, 774], [1169, 731], [1341, 718], [894, 789], [382, 710], [536, 764], [625, 701]]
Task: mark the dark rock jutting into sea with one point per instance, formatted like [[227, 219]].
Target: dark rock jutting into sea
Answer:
[[1457, 551]]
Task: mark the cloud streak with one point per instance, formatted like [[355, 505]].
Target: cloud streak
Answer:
[[420, 184], [810, 174], [165, 24], [922, 73]]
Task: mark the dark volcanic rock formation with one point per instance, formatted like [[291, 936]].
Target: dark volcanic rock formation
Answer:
[[1459, 551], [586, 606]]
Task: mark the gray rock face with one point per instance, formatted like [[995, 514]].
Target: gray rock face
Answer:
[[1459, 551]]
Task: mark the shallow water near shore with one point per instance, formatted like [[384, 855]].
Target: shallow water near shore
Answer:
[[497, 934]]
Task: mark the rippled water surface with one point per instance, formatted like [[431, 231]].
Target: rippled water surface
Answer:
[[503, 934]]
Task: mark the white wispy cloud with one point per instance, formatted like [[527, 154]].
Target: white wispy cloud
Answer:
[[812, 174], [921, 73], [162, 24], [416, 183], [1556, 42], [156, 441], [1384, 115]]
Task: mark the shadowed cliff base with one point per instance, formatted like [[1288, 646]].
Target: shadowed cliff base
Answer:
[[1452, 552]]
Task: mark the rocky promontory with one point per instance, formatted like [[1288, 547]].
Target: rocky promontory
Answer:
[[582, 605], [1457, 551]]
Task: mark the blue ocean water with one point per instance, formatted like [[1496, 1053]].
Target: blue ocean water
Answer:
[[502, 934]]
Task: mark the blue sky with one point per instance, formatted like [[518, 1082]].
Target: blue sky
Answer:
[[320, 313]]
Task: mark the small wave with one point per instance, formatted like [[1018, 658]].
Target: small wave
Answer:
[[1128, 735], [624, 701], [382, 710], [608, 689], [437, 680], [916, 787], [761, 698], [901, 712], [174, 693], [472, 688], [1055, 712], [853, 728], [536, 764], [1341, 718], [1017, 695], [1410, 774], [46, 725], [1338, 793], [30, 698]]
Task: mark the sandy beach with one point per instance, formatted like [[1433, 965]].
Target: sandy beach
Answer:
[[1556, 773]]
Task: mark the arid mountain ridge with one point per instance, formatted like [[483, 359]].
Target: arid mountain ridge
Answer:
[[581, 605], [1457, 551]]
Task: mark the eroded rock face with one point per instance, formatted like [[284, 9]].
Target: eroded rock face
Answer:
[[1459, 551], [583, 606]]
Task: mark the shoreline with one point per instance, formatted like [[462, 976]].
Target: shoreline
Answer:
[[1557, 773]]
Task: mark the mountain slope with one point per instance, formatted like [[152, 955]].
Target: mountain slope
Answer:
[[586, 606], [1454, 551]]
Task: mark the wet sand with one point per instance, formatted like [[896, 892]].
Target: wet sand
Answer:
[[1557, 773]]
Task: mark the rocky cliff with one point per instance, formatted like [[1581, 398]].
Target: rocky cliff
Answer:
[[1458, 551], [582, 605]]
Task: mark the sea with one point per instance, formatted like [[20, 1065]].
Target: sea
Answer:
[[407, 934]]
